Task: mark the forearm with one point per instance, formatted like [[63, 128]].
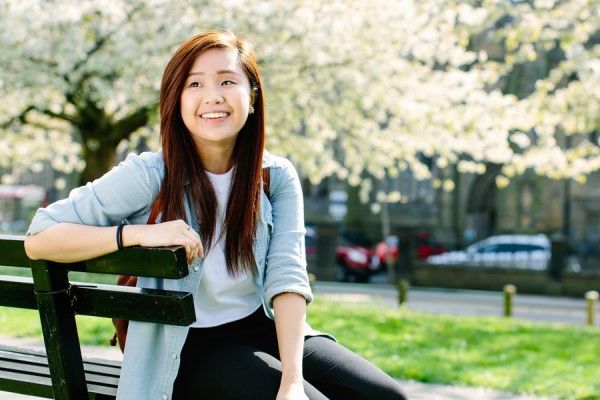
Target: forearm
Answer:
[[67, 242], [290, 316]]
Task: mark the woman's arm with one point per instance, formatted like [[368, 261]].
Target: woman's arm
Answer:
[[290, 315], [286, 256], [68, 242], [83, 226]]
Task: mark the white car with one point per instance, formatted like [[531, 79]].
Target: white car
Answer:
[[515, 251]]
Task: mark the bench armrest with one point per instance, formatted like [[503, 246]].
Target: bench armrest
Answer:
[[163, 262]]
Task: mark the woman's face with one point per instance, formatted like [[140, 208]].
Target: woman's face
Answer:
[[216, 98]]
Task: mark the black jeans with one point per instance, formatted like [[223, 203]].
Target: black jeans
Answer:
[[240, 360]]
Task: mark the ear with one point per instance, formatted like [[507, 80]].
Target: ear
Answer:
[[253, 94]]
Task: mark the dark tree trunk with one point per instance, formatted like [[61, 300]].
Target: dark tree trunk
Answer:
[[98, 161], [100, 135]]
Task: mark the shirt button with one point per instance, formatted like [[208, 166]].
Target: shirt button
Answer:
[[196, 268], [165, 397], [174, 356]]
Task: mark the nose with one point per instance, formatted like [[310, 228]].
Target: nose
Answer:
[[212, 96]]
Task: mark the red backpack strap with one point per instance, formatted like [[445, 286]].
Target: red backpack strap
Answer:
[[153, 212], [267, 181]]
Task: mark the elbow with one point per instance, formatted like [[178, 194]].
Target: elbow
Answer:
[[30, 247]]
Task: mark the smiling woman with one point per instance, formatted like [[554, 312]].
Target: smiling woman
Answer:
[[245, 245], [215, 103]]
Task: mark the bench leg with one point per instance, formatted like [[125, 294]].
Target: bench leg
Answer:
[[60, 331]]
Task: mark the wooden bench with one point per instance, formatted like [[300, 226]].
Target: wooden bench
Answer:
[[61, 372]]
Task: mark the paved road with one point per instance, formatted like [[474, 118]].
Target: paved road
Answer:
[[463, 302]]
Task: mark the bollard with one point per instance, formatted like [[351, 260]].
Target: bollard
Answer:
[[591, 298], [509, 292], [403, 286]]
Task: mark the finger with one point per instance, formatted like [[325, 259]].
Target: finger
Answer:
[[187, 244], [189, 249], [195, 238]]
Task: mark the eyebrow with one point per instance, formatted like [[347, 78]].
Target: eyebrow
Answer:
[[219, 72]]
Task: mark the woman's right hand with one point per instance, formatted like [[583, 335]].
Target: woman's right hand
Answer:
[[170, 233]]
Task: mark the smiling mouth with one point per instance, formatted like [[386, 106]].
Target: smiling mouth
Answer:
[[214, 115]]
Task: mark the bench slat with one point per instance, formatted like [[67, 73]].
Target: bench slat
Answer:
[[106, 367], [148, 305], [12, 252], [35, 356], [176, 308], [101, 380], [162, 262], [44, 371], [26, 384], [17, 291]]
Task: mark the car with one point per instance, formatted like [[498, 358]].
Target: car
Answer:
[[515, 251], [355, 262], [424, 246]]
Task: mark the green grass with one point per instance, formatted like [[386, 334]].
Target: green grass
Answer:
[[516, 356]]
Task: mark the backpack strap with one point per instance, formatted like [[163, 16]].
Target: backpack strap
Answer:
[[267, 182]]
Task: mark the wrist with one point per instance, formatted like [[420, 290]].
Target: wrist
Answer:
[[291, 378], [129, 235]]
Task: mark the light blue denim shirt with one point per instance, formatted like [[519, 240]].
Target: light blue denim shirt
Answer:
[[126, 194]]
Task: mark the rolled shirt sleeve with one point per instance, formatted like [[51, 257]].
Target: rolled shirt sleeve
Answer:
[[286, 256], [126, 190]]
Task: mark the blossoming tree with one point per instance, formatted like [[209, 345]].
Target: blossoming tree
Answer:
[[352, 89]]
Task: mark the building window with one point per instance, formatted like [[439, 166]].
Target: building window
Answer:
[[592, 227]]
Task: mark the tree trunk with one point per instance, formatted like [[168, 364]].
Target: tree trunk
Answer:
[[100, 135], [98, 160], [457, 223], [386, 232]]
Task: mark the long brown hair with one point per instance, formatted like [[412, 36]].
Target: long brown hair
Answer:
[[183, 164]]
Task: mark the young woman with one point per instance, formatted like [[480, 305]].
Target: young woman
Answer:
[[245, 248]]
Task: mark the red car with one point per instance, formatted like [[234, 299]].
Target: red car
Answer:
[[355, 263], [424, 247]]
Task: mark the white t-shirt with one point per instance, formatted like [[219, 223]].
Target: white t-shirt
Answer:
[[222, 298]]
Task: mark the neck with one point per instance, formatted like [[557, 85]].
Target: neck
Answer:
[[216, 157]]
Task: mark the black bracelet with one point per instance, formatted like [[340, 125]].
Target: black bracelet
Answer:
[[120, 236]]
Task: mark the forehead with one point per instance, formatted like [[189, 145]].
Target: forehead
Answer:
[[215, 60]]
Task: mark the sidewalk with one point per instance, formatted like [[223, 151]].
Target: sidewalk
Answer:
[[414, 390]]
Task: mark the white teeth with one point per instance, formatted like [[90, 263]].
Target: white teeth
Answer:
[[215, 115]]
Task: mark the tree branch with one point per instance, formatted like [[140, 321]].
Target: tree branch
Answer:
[[22, 117], [101, 42], [130, 123]]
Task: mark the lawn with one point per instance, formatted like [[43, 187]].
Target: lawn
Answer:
[[515, 356]]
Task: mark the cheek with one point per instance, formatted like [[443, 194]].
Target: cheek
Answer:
[[185, 105]]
